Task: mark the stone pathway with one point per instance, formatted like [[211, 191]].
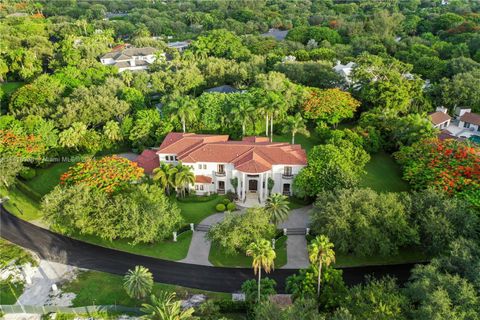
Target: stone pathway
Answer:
[[297, 254]]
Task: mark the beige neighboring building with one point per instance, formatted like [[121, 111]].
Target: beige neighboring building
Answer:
[[440, 118]]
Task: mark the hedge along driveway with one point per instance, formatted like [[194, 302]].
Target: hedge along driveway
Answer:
[[194, 211]]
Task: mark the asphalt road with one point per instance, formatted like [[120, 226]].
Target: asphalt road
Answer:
[[54, 247]]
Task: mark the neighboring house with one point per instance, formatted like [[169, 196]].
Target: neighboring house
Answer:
[[216, 160], [345, 70], [130, 58], [276, 33], [469, 120], [179, 45], [440, 118], [148, 160], [223, 89]]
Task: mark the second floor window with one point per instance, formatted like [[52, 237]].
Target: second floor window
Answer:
[[221, 168], [287, 171]]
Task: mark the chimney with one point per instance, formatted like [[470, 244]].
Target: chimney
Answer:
[[442, 109]]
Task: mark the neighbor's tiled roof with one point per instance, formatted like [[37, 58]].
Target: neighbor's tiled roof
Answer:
[[471, 117], [148, 160], [202, 179], [439, 117], [127, 54], [251, 155]]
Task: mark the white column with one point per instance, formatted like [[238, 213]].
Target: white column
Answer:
[[266, 186], [244, 187], [260, 189]]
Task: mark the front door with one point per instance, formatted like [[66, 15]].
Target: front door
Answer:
[[286, 189], [221, 186], [252, 185]]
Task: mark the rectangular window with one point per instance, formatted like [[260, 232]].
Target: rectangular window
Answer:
[[204, 166], [466, 125], [201, 187], [196, 187], [287, 171], [221, 168], [199, 166], [176, 159]]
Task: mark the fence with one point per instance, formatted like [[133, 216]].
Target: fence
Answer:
[[78, 310]]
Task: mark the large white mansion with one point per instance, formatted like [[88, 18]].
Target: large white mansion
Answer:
[[215, 161]]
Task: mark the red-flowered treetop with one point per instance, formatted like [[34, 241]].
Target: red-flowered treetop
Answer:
[[21, 144], [109, 174], [450, 165]]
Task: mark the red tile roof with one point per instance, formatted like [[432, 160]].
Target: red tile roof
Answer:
[[471, 117], [202, 179], [148, 160], [439, 117], [251, 155]]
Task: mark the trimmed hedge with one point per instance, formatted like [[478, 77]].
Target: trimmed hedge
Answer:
[[231, 206], [194, 198], [229, 306], [220, 207], [28, 174]]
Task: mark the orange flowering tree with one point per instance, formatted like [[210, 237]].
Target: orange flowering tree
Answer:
[[109, 174], [330, 105], [20, 144], [449, 165]]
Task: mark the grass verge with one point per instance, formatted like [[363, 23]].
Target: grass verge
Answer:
[[94, 287], [167, 249], [196, 211], [47, 178], [218, 257], [405, 255], [9, 292], [11, 254], [20, 204]]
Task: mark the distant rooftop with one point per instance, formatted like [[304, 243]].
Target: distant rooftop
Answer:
[[276, 33], [223, 89]]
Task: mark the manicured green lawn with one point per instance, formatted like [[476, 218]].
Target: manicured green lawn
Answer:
[[307, 143], [46, 179], [406, 255], [218, 257], [10, 87], [196, 211], [384, 174], [167, 249], [9, 292], [93, 287], [20, 204]]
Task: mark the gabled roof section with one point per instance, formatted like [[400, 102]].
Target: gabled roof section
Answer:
[[251, 155], [439, 117], [471, 117], [148, 160]]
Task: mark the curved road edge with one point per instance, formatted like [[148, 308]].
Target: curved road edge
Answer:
[[58, 248]]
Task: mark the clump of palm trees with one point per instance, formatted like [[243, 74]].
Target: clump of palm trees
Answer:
[[177, 177], [321, 253]]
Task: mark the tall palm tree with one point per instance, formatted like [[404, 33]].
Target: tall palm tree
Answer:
[[138, 282], [183, 109], [277, 207], [296, 124], [242, 111], [183, 178], [321, 253], [162, 174], [263, 257], [165, 308]]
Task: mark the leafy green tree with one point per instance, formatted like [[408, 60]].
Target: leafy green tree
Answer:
[[250, 289], [10, 167], [461, 90], [138, 282], [236, 232], [277, 206], [437, 295], [221, 44], [307, 309], [380, 220], [164, 307], [320, 252], [263, 257], [163, 176], [377, 299], [296, 124], [112, 132], [242, 113], [318, 74], [331, 167], [184, 177]]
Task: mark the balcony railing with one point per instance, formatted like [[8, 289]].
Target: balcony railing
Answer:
[[287, 176], [220, 173]]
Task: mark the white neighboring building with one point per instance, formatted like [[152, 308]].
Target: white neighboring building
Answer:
[[215, 161], [469, 120], [179, 45], [345, 70], [440, 118], [130, 58]]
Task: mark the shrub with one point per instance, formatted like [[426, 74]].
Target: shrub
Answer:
[[250, 287], [28, 173], [226, 201], [231, 206], [220, 207]]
